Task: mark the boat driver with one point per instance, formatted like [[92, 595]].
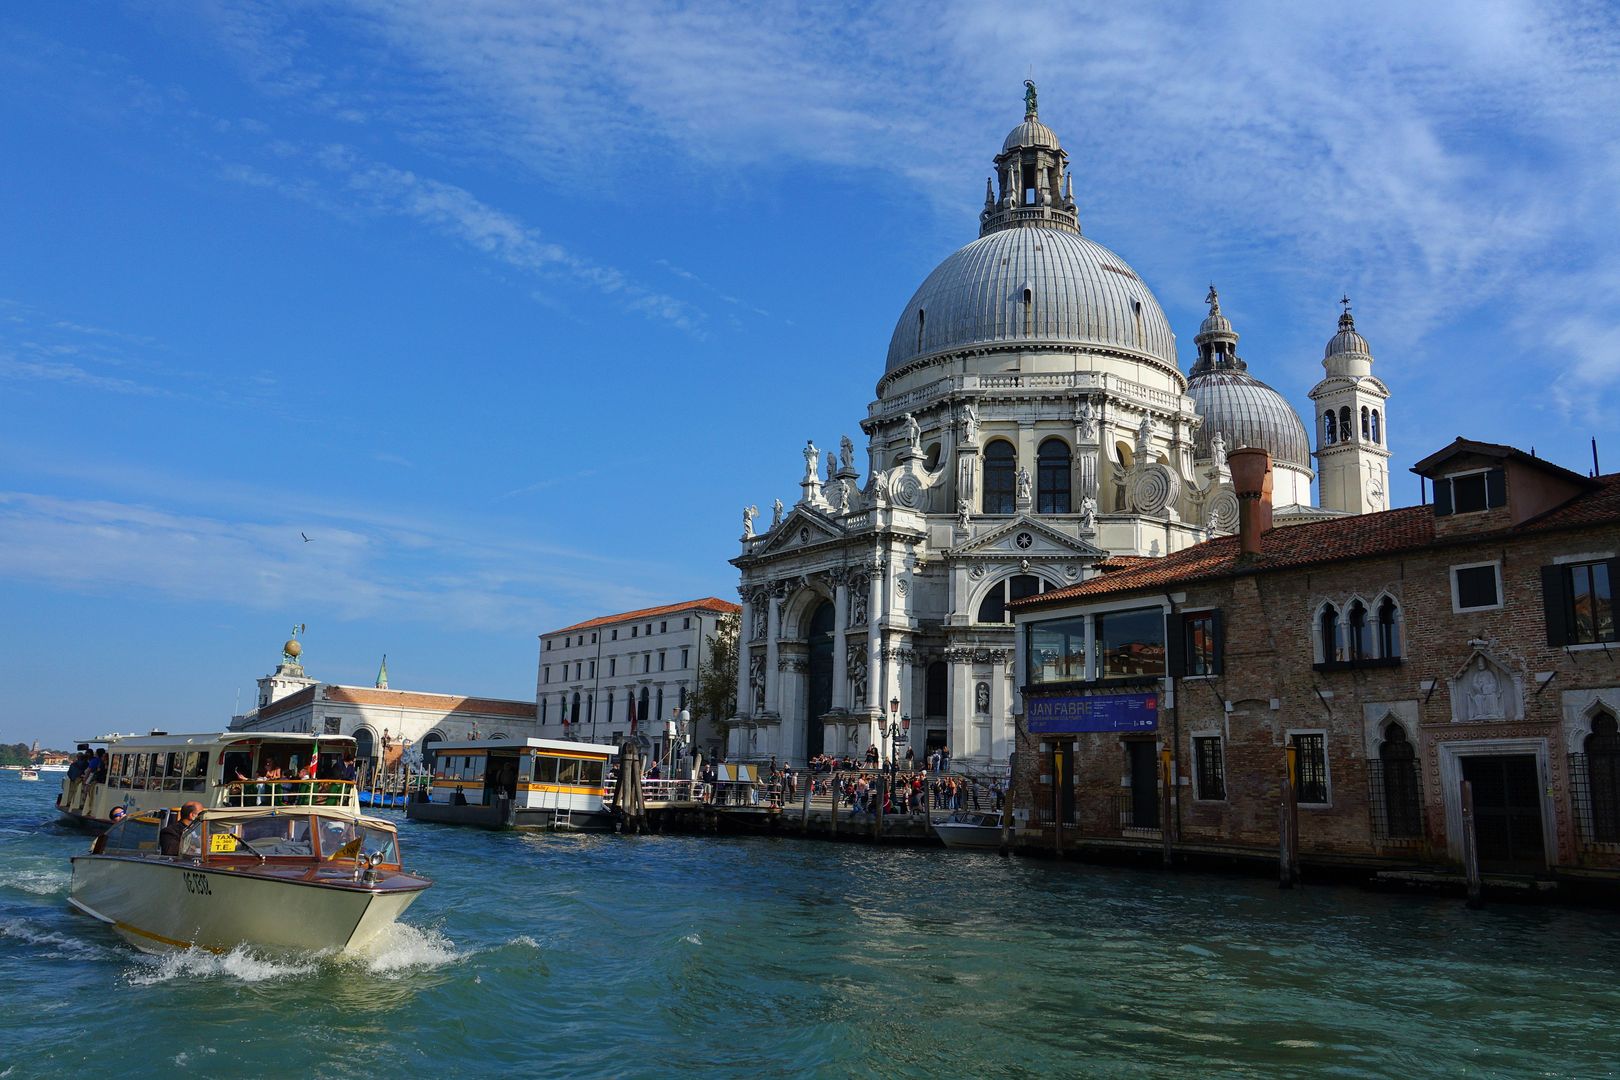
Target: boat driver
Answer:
[[169, 837]]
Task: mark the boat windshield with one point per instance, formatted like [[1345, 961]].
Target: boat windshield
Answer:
[[270, 835], [342, 839], [133, 834]]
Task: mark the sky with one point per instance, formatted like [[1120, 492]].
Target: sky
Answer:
[[511, 307]]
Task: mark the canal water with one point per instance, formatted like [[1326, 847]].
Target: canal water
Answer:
[[659, 956]]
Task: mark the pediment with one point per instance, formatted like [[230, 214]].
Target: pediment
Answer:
[[801, 528], [1026, 537]]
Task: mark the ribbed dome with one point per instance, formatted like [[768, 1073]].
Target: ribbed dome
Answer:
[[1346, 340], [1081, 293], [1247, 412], [1215, 323], [1030, 133]]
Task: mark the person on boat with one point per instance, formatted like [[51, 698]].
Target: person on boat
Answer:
[[169, 836], [117, 814], [272, 774]]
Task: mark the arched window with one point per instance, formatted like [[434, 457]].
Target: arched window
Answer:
[[1603, 777], [1346, 432], [921, 319], [659, 714], [1052, 477], [609, 716], [1389, 629], [1366, 423], [1360, 634], [993, 608], [1000, 479], [364, 748], [1377, 435], [1328, 428], [646, 701], [590, 708], [1403, 814], [1029, 313], [574, 716], [1332, 636], [931, 457]]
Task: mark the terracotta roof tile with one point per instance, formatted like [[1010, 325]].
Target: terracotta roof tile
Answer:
[[708, 603], [1335, 540]]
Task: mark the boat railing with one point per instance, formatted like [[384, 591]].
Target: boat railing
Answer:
[[275, 793]]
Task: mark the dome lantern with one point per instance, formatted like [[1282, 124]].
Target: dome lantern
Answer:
[[1032, 173], [1238, 406]]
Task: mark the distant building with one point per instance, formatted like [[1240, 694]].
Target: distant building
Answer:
[[1398, 653], [385, 723], [595, 674]]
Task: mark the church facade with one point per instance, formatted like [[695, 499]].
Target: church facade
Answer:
[[1032, 421]]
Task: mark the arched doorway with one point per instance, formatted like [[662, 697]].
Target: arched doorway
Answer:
[[364, 751], [819, 678]]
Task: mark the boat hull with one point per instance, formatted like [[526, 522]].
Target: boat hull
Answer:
[[162, 905], [509, 817]]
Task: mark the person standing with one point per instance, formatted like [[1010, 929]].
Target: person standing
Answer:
[[169, 836]]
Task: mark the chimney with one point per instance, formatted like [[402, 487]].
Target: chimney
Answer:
[[1251, 478]]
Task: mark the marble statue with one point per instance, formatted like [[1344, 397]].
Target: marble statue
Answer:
[[1088, 513], [1144, 437], [981, 697], [964, 513], [1023, 484], [846, 454], [776, 513], [1217, 450], [749, 513], [1085, 420], [812, 463], [913, 432], [970, 423]]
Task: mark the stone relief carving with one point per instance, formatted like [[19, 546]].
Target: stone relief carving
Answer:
[[908, 491], [1222, 515], [963, 655], [857, 603], [1155, 488], [1484, 690], [760, 619]]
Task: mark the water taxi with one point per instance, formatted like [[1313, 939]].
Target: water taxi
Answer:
[[516, 784], [307, 879], [28, 774], [970, 829], [218, 769]]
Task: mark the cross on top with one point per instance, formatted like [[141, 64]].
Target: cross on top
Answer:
[[1345, 302]]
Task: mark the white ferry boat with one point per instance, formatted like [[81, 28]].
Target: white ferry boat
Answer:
[[970, 829], [310, 879], [219, 769], [516, 784]]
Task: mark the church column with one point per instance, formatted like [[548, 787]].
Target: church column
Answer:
[[773, 630], [840, 672], [962, 702], [1001, 742], [745, 629], [876, 688]]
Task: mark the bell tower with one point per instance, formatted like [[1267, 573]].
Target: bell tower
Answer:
[[1352, 440]]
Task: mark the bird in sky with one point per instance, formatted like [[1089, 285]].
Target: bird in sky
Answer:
[[306, 539]]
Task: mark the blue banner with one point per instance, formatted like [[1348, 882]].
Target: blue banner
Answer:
[[1111, 712]]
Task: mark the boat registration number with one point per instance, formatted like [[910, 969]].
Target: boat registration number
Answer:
[[197, 883]]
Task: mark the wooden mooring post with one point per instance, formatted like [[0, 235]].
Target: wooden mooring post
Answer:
[[1167, 772], [1470, 845], [809, 790], [882, 792]]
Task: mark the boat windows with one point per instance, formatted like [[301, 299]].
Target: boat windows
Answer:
[[545, 770], [196, 772], [271, 836], [132, 835], [590, 773], [336, 836], [568, 771], [174, 766], [139, 779]]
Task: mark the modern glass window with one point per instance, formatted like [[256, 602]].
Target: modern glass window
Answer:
[[1052, 474], [1000, 477], [1312, 764], [1056, 650], [1475, 587], [1209, 767], [1130, 643], [1591, 603]]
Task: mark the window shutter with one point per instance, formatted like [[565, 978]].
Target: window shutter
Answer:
[[1555, 601], [1175, 642], [1496, 488], [1219, 665], [1442, 498]]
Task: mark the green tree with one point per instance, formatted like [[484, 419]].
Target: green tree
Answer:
[[715, 698]]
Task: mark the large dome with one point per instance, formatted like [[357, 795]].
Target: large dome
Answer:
[[1246, 412], [1080, 293]]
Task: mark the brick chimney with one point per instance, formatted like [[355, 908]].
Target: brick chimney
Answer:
[[1251, 479]]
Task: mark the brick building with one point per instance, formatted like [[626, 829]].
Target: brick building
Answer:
[[1400, 653]]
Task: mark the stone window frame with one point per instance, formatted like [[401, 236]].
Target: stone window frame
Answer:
[[1327, 764], [1501, 599], [1197, 772]]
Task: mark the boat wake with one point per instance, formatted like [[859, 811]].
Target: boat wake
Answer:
[[241, 964], [399, 950], [404, 948], [39, 882], [50, 943]]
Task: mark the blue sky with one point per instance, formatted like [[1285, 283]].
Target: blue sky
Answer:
[[511, 307]]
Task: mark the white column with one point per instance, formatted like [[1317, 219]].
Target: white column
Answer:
[[962, 705], [876, 689], [773, 630], [840, 672], [744, 629]]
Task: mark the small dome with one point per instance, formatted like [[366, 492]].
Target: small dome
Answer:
[[1031, 133], [1246, 412], [1346, 340], [1216, 323], [1080, 292]]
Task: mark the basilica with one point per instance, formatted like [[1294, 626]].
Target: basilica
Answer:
[[1032, 421]]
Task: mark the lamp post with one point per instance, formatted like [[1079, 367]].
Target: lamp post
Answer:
[[892, 730]]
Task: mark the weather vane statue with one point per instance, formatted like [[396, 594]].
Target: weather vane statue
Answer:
[[1029, 99]]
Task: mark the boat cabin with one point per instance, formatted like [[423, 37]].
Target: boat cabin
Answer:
[[535, 783]]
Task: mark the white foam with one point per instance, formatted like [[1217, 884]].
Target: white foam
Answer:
[[402, 947], [692, 939], [51, 942], [38, 882], [240, 965]]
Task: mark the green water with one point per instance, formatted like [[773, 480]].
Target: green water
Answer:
[[586, 956]]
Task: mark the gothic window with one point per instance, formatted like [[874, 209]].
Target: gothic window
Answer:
[[1366, 423], [1359, 637], [1328, 428], [1377, 435], [1052, 477], [1000, 479], [1346, 432], [1330, 645], [1389, 629], [1603, 778], [1397, 759]]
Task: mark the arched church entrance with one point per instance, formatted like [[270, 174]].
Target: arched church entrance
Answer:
[[818, 679]]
